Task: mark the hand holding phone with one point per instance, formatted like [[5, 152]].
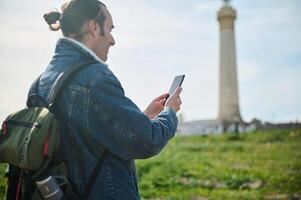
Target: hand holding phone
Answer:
[[177, 82]]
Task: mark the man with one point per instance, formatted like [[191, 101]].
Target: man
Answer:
[[98, 114]]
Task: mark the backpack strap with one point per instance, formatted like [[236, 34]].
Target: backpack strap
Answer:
[[33, 97], [62, 81], [58, 86], [54, 93], [93, 176]]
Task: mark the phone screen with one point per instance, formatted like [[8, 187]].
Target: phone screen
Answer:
[[177, 82]]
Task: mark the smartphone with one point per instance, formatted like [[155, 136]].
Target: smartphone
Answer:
[[177, 82]]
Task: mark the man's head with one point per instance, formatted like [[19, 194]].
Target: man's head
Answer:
[[87, 21]]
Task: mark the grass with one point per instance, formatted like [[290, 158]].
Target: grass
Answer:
[[2, 180], [258, 165]]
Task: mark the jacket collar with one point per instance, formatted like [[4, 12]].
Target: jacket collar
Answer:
[[82, 48]]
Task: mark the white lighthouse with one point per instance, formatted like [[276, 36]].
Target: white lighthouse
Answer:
[[228, 85], [229, 118]]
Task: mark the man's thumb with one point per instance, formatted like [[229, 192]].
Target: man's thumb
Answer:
[[178, 91]]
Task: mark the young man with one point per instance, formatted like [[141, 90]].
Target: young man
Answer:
[[98, 114]]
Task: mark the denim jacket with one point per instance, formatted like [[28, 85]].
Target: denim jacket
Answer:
[[100, 117]]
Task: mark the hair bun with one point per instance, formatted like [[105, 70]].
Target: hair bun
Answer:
[[52, 18]]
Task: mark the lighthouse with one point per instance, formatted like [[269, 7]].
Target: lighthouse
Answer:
[[229, 111]]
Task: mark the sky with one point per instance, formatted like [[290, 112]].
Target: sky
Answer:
[[157, 40]]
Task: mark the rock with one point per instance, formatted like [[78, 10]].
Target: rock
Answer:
[[276, 197], [255, 184], [252, 185], [296, 196], [220, 185], [200, 198]]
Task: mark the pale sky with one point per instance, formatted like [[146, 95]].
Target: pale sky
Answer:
[[157, 40]]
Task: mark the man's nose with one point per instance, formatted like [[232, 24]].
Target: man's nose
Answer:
[[112, 43]]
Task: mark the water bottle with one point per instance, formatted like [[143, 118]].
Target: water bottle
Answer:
[[50, 189]]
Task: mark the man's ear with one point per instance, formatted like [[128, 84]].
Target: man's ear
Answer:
[[93, 28]]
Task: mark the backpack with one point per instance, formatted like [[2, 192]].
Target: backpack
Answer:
[[30, 144]]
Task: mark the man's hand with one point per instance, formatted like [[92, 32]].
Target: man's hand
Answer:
[[156, 106], [174, 101]]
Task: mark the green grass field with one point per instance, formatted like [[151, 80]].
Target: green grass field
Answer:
[[259, 165]]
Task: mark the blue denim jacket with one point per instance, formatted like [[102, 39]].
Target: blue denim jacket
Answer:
[[99, 117]]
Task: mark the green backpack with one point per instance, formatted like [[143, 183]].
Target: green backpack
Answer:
[[30, 144]]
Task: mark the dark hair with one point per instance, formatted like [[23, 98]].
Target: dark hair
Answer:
[[75, 14]]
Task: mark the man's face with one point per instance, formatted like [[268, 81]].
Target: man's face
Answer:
[[105, 41]]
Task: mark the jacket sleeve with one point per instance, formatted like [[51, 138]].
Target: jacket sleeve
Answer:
[[118, 124]]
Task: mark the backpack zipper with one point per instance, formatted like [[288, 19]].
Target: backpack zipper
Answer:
[[24, 124]]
